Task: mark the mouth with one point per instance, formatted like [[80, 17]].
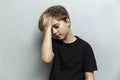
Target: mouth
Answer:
[[56, 36]]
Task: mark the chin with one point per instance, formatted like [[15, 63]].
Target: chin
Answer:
[[59, 38]]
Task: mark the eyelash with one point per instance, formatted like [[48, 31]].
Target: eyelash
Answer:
[[56, 26]]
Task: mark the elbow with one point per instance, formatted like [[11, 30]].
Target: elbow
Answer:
[[46, 60]]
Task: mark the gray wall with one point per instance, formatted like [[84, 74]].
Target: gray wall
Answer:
[[96, 21]]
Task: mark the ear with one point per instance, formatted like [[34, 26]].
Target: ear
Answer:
[[68, 21]]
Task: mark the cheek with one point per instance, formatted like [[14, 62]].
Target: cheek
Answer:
[[63, 29]]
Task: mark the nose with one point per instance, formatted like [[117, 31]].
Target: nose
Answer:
[[54, 31]]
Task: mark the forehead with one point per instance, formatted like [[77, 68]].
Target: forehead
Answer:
[[54, 21]]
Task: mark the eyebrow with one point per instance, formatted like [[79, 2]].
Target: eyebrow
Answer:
[[55, 24]]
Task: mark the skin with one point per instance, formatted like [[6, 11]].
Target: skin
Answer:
[[59, 30]]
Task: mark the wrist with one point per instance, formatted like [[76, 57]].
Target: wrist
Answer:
[[47, 29]]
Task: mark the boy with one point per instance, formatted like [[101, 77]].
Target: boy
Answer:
[[72, 57]]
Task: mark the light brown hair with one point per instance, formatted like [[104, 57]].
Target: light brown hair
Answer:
[[57, 12]]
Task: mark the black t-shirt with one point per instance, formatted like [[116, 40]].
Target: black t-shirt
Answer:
[[72, 60]]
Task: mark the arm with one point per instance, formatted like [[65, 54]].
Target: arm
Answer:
[[46, 49], [89, 75]]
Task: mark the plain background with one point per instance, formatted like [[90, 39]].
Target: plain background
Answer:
[[96, 21]]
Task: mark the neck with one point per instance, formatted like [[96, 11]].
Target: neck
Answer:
[[69, 38]]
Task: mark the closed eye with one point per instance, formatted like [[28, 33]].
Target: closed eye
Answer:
[[56, 26]]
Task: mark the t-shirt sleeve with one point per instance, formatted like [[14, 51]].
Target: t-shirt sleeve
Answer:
[[89, 62]]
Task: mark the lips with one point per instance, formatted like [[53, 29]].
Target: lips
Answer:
[[56, 36]]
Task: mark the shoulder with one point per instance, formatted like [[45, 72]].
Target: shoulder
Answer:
[[55, 42], [83, 42]]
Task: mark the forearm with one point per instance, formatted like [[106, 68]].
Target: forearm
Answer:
[[46, 49], [89, 76]]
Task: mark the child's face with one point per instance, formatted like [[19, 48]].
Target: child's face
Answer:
[[60, 29]]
